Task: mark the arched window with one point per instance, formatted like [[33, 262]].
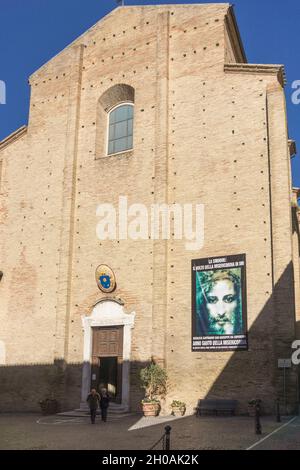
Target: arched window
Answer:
[[120, 128]]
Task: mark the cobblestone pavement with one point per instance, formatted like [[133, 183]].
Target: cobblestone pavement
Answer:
[[30, 431]]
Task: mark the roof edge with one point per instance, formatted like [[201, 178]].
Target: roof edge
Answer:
[[13, 137], [112, 12], [73, 43], [235, 35]]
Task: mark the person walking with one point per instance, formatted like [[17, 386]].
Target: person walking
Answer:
[[104, 404], [93, 400]]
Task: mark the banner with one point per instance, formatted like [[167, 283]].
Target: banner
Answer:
[[219, 304]]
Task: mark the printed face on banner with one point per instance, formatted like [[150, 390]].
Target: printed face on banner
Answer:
[[219, 304]]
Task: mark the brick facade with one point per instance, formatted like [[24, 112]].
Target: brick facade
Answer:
[[208, 128]]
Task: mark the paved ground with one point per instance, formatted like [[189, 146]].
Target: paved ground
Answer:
[[29, 431]]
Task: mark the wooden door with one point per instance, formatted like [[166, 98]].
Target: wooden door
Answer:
[[107, 343]]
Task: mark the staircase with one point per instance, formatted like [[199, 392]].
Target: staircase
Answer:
[[115, 412]]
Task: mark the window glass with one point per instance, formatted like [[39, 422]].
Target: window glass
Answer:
[[120, 135]]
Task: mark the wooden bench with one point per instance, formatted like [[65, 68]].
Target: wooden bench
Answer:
[[216, 406]]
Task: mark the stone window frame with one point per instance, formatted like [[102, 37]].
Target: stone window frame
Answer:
[[113, 97]]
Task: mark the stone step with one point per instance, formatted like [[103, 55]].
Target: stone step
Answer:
[[114, 410], [84, 414], [111, 409]]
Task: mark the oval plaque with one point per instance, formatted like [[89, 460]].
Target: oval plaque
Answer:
[[105, 278]]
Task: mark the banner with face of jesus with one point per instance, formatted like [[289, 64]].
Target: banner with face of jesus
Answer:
[[219, 304]]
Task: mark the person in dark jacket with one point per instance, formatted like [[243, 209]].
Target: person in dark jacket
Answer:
[[93, 400], [104, 404]]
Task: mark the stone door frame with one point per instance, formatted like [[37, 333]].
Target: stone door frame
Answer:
[[107, 313]]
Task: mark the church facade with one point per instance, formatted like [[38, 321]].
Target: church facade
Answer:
[[152, 105]]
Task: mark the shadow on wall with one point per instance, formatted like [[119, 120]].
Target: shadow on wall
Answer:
[[22, 387], [254, 373]]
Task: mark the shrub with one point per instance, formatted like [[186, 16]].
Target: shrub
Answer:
[[153, 378]]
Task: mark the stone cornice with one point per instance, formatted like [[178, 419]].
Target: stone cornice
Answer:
[[260, 69], [13, 137]]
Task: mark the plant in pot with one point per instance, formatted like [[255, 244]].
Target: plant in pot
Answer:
[[49, 406], [178, 408], [153, 379], [252, 404]]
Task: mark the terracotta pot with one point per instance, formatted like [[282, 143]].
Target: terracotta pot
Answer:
[[151, 409], [178, 411]]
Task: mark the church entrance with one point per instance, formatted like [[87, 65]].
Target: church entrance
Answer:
[[107, 351], [107, 359]]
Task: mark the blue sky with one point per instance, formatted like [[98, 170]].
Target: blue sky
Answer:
[[33, 31]]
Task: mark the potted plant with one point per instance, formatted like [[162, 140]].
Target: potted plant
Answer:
[[49, 406], [178, 408], [252, 404], [153, 378]]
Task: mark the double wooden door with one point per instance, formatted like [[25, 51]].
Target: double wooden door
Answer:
[[107, 358]]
